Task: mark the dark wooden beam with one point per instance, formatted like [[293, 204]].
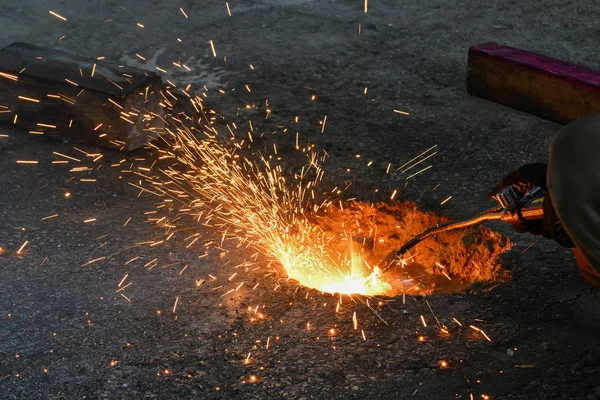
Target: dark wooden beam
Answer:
[[533, 83], [55, 92]]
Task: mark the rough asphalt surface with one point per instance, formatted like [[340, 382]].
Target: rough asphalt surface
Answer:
[[65, 331]]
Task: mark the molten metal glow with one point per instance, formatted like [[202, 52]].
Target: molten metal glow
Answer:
[[311, 268], [248, 200]]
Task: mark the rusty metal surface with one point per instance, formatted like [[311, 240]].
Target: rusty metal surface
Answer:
[[540, 85]]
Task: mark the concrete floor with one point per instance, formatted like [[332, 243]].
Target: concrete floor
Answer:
[[66, 333]]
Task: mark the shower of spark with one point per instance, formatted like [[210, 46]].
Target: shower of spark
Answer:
[[249, 200]]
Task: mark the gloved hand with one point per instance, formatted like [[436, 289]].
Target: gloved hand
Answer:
[[523, 180]]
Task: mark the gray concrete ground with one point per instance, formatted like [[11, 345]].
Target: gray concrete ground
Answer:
[[66, 333]]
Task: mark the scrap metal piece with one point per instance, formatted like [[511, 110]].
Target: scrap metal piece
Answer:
[[533, 83], [51, 91]]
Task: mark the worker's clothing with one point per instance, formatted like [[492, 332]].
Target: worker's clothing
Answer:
[[573, 183], [586, 269], [571, 180]]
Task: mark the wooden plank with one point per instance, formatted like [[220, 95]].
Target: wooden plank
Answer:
[[53, 92], [533, 83]]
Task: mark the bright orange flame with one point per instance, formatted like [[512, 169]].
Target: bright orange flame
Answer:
[[310, 268]]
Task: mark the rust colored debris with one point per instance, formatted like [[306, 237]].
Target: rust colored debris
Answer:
[[448, 262]]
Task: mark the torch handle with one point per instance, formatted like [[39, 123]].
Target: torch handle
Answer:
[[529, 212]]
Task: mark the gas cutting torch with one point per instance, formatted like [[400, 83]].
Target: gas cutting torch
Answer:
[[511, 209]]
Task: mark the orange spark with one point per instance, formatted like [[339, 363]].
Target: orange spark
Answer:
[[20, 251], [29, 99], [58, 16]]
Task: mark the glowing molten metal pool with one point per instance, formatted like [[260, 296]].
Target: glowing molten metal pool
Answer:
[[310, 268]]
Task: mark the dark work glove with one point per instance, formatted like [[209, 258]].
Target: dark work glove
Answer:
[[523, 180]]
